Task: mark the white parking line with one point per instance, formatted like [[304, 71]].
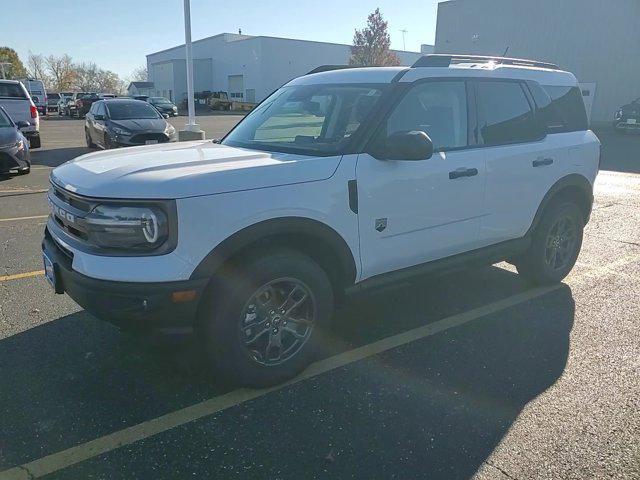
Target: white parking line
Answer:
[[57, 461], [17, 219]]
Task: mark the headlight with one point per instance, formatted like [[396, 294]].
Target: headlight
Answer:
[[120, 131], [127, 227], [19, 144], [170, 130], [618, 114]]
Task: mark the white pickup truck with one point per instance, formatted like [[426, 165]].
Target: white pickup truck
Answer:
[[17, 102]]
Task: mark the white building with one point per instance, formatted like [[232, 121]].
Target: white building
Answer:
[[141, 88], [597, 40], [248, 68]]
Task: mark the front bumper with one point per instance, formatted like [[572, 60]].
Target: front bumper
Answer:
[[624, 124], [14, 159], [129, 305]]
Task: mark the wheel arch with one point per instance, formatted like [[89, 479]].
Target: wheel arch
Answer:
[[574, 187], [311, 237]]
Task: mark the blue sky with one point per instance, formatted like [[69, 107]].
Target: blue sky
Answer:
[[117, 34]]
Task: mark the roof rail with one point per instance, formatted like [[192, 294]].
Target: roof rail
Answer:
[[329, 68], [448, 60]]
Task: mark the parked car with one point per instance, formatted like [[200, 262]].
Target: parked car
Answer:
[[18, 105], [52, 102], [71, 104], [123, 122], [105, 96], [62, 102], [164, 106], [83, 103], [14, 147], [627, 118], [339, 181], [37, 92]]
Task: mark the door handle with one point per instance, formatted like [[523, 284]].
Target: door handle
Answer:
[[542, 162], [462, 173]]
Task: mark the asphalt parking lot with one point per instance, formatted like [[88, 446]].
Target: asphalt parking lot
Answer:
[[474, 375]]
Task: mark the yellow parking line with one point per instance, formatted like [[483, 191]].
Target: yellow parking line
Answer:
[[57, 461], [18, 276], [15, 219]]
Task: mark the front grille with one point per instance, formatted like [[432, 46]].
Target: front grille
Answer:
[[69, 210], [142, 138]]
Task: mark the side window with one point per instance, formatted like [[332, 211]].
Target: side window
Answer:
[[437, 108], [505, 114], [92, 110], [569, 108], [100, 109]]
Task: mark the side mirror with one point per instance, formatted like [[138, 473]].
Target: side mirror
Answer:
[[408, 146], [98, 117], [22, 124], [165, 115]]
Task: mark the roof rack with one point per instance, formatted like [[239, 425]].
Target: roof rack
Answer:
[[329, 68], [448, 60]]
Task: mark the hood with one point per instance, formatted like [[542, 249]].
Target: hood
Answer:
[[141, 124], [631, 109], [8, 136], [189, 169]]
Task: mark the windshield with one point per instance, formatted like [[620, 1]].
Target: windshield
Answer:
[[307, 119], [158, 100], [131, 110], [4, 120]]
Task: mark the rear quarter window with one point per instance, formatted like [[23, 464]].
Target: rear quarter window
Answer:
[[561, 109]]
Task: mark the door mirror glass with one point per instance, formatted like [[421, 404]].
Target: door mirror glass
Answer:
[[165, 115], [412, 146], [22, 124]]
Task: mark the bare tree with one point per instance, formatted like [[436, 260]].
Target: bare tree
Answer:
[[37, 67], [140, 74], [61, 71], [371, 45], [86, 77]]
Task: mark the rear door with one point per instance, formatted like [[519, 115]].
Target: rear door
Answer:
[[522, 161]]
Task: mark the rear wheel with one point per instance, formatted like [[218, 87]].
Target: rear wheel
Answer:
[[556, 245], [267, 323]]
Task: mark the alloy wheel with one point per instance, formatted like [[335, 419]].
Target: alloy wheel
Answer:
[[560, 243], [277, 321]]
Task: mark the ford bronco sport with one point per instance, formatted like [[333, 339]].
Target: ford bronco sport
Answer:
[[338, 181]]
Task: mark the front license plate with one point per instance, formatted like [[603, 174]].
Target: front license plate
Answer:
[[151, 142], [632, 121], [49, 270]]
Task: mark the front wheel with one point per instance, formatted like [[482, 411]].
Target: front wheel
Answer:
[[263, 323], [87, 137], [555, 247]]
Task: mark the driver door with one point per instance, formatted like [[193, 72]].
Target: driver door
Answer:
[[413, 212]]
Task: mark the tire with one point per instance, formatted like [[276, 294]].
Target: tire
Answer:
[[245, 350], [87, 137], [539, 265], [107, 143], [34, 142]]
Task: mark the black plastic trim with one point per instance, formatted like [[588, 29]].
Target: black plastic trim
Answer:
[[353, 195]]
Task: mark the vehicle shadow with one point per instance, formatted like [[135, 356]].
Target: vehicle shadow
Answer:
[[449, 399], [57, 156]]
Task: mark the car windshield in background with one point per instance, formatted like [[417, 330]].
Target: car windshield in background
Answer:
[[307, 119], [4, 120], [131, 110], [11, 90], [159, 100]]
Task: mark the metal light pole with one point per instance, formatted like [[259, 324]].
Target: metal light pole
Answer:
[[404, 32], [192, 130]]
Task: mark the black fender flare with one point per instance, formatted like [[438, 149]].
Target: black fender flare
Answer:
[[285, 227], [572, 181]]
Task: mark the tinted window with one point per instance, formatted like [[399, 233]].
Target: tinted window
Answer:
[[131, 110], [12, 90], [505, 114], [4, 119], [568, 113], [437, 108]]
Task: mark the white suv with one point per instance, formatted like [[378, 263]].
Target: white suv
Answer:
[[340, 180]]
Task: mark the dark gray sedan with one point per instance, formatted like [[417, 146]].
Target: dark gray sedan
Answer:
[[14, 147], [125, 122]]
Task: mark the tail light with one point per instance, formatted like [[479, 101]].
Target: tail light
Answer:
[[34, 111]]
